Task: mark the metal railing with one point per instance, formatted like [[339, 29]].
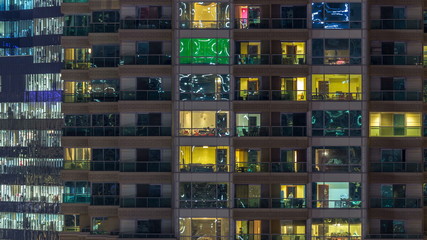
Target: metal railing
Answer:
[[395, 203], [265, 23], [343, 168], [277, 131], [342, 203], [206, 60], [204, 132], [336, 96], [104, 27], [270, 203], [143, 166], [145, 202], [105, 200], [396, 96], [146, 24], [117, 131], [395, 167], [146, 59], [204, 24], [395, 24], [279, 95], [254, 167], [265, 59], [76, 197], [198, 167], [394, 236], [270, 237], [201, 203], [138, 95], [396, 60]]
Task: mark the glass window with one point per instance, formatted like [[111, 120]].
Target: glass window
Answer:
[[337, 195], [207, 227], [392, 226], [337, 159], [336, 15], [336, 51], [291, 17], [204, 15], [292, 53], [204, 159], [204, 123], [204, 87], [77, 58], [331, 227], [341, 87], [248, 124], [203, 195], [336, 123], [388, 124], [77, 192], [204, 51], [249, 160], [149, 226], [76, 25]]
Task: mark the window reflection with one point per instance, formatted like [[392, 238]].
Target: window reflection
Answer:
[[336, 15], [204, 87], [204, 51]]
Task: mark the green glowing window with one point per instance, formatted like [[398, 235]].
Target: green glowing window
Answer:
[[204, 51]]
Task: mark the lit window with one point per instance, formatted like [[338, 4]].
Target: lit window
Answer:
[[331, 227], [204, 159], [204, 15], [389, 124], [341, 87], [337, 195], [336, 15], [204, 123], [204, 51]]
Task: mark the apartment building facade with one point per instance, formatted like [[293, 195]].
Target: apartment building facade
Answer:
[[244, 119]]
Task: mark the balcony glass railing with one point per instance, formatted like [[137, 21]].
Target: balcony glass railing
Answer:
[[76, 198], [77, 64], [145, 166], [395, 203], [264, 95], [395, 24], [395, 167], [98, 62], [204, 132], [342, 168], [342, 203], [265, 23], [76, 165], [117, 131], [104, 27], [145, 202], [336, 96], [400, 131], [277, 131], [254, 167], [270, 237], [146, 24], [396, 96], [105, 200], [203, 203], [146, 59], [204, 24], [394, 236], [75, 31], [265, 59], [198, 167], [340, 236], [71, 229], [396, 60], [141, 95], [146, 235], [270, 203]]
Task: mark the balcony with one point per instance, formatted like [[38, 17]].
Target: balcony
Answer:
[[257, 167], [396, 96], [395, 167], [204, 132], [215, 203], [395, 24], [266, 95], [275, 131], [76, 198], [394, 236], [275, 23], [336, 96], [266, 59], [342, 168], [104, 27], [145, 166], [140, 95], [104, 200], [396, 60], [145, 202], [146, 59], [206, 168], [395, 203], [270, 203], [146, 24], [116, 131], [146, 235], [342, 203]]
